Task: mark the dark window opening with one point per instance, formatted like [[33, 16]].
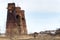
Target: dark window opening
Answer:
[[17, 16], [18, 20], [19, 25], [22, 18]]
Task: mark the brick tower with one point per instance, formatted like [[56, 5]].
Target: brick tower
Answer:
[[16, 23]]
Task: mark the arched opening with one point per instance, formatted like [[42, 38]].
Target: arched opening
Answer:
[[17, 16], [18, 20]]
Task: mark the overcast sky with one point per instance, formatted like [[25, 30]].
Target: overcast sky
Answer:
[[40, 14]]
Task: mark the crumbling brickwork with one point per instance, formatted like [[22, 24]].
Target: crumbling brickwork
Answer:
[[16, 23]]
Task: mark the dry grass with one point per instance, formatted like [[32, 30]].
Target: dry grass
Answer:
[[39, 37]]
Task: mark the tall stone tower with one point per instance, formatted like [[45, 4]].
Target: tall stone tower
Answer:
[[16, 23]]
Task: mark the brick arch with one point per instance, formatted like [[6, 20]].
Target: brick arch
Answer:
[[18, 20]]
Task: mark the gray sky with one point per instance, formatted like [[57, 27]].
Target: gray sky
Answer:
[[40, 14]]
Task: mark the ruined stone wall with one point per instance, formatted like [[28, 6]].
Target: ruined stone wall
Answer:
[[16, 23]]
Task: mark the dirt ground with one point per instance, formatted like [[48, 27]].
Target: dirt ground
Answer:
[[39, 37]]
